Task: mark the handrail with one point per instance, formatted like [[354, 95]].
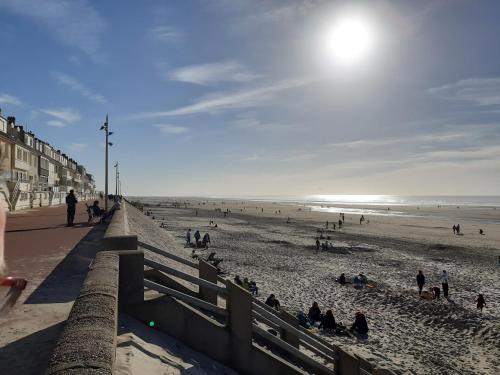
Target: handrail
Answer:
[[167, 254], [286, 326], [186, 298], [289, 348], [263, 319], [314, 337], [317, 351], [311, 336], [185, 276]]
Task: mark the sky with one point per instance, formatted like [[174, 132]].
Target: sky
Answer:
[[244, 97]]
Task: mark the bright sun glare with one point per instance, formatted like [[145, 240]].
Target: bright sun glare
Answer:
[[349, 40]]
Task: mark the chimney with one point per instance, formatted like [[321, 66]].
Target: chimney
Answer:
[[11, 120]]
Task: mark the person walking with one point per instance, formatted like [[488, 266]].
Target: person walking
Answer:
[[71, 202], [197, 237], [420, 282], [444, 283], [481, 303], [454, 227], [188, 237]]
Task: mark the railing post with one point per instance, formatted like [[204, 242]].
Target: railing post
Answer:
[[239, 307], [131, 277], [287, 336], [208, 273]]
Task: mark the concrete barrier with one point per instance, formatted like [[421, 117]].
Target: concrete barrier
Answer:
[[88, 341], [117, 235]]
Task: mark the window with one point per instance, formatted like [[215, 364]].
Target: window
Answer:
[[44, 163]]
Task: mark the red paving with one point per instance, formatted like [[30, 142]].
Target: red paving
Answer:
[[42, 231], [54, 259]]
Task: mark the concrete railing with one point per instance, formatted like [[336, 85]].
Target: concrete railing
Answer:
[[88, 341], [117, 235]]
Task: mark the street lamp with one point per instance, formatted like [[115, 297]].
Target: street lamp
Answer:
[[105, 127], [117, 176]]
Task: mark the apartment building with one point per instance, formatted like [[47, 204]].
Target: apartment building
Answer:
[[33, 173]]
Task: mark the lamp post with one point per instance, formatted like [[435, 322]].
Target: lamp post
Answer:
[[105, 127], [117, 176]]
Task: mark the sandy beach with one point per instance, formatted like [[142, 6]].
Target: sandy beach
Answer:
[[274, 244]]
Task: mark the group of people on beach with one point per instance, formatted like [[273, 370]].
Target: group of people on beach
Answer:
[[199, 242], [316, 319], [249, 285], [434, 293]]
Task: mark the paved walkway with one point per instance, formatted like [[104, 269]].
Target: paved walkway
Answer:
[[54, 259]]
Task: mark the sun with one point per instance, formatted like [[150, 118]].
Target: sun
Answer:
[[349, 40]]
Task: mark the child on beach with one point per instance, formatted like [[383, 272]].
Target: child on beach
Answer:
[[481, 303]]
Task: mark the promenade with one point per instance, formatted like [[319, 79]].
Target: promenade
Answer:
[[54, 259]]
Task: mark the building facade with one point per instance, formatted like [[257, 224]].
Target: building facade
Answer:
[[33, 173]]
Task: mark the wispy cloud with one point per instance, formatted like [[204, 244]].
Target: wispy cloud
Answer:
[[251, 123], [77, 147], [9, 99], [166, 34], [77, 86], [169, 129], [476, 91], [75, 23], [210, 73], [56, 123], [66, 115], [231, 100]]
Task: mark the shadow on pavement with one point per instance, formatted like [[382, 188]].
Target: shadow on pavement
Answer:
[[30, 355], [64, 282]]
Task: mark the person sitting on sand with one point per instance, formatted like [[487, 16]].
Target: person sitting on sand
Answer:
[[253, 288], [481, 303], [246, 283], [342, 279], [363, 278], [328, 321], [436, 292], [420, 281], [273, 302], [315, 313], [481, 232], [360, 325], [237, 280]]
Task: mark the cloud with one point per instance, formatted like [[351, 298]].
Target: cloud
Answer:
[[79, 87], [230, 100], [66, 115], [74, 23], [476, 91], [56, 123], [211, 73], [166, 34], [252, 124], [77, 147], [9, 99], [168, 129]]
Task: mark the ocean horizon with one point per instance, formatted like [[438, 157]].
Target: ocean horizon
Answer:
[[354, 199]]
